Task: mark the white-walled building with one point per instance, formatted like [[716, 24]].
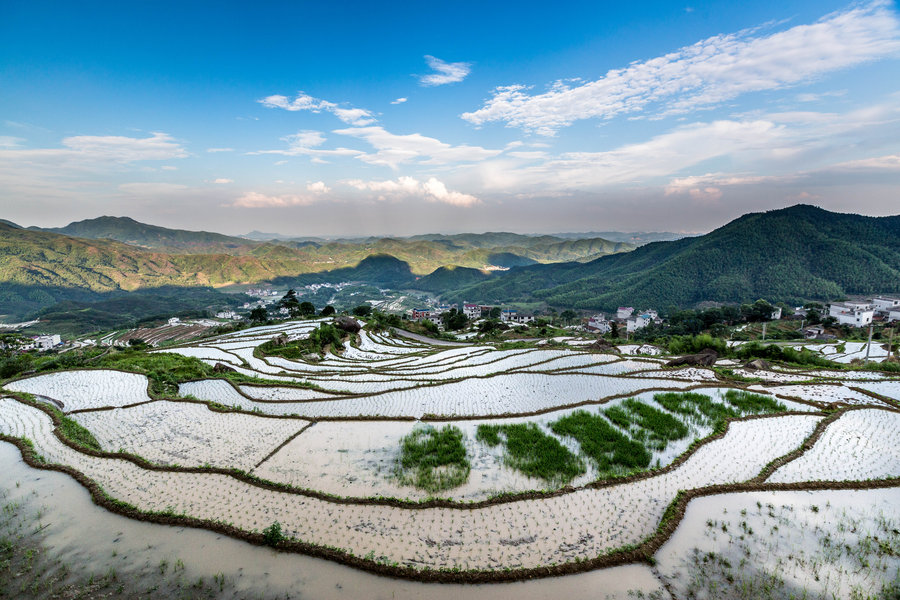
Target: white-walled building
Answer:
[[598, 324], [512, 316], [894, 315], [46, 342], [632, 324], [855, 314], [472, 311], [624, 312], [886, 304]]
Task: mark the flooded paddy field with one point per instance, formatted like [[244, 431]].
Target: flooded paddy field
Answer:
[[395, 460]]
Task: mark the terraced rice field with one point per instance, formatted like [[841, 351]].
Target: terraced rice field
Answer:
[[317, 450]]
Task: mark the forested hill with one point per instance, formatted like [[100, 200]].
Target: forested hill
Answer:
[[135, 233], [793, 254]]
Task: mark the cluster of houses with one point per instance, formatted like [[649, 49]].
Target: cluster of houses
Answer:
[[472, 311], [861, 314], [35, 342], [625, 317], [262, 292]]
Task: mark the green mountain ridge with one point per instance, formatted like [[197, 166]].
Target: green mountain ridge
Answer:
[[793, 254], [39, 268]]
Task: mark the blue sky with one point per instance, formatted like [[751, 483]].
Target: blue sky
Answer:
[[345, 119]]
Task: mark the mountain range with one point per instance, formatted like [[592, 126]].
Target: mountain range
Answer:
[[793, 254], [39, 267]]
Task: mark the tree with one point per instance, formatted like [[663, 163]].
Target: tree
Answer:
[[758, 311], [259, 314], [306, 309], [568, 316], [454, 319], [327, 311], [614, 330], [363, 310], [495, 313], [290, 302]]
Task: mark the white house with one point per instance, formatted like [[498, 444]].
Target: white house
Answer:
[[472, 311], [624, 312], [46, 342], [776, 314], [174, 321], [512, 316], [855, 314], [598, 324], [885, 304], [632, 324], [894, 315], [226, 314]]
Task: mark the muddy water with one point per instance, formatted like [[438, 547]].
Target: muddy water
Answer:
[[818, 543], [88, 537]]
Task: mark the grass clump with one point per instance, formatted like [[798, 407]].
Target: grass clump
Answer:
[[646, 423], [433, 459], [530, 450], [610, 449], [749, 403], [273, 534], [78, 434]]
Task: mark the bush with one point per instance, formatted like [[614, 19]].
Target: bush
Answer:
[[692, 344]]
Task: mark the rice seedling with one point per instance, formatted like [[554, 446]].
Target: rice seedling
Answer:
[[611, 450], [433, 459], [533, 452]]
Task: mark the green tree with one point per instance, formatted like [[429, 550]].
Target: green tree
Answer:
[[306, 309], [454, 319], [758, 311], [259, 314], [291, 303], [327, 311], [363, 310], [495, 313]]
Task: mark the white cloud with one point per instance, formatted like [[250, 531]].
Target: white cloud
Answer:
[[87, 150], [445, 72], [159, 146], [258, 200], [357, 117], [222, 180], [220, 149], [399, 101], [705, 74], [8, 141], [306, 143], [318, 187], [393, 150], [880, 163], [305, 139], [169, 168], [431, 190]]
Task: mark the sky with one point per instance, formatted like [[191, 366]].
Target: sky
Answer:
[[360, 118]]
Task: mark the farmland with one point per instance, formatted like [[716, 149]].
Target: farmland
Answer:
[[450, 463]]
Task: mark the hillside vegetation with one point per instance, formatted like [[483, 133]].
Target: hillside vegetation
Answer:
[[793, 254]]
